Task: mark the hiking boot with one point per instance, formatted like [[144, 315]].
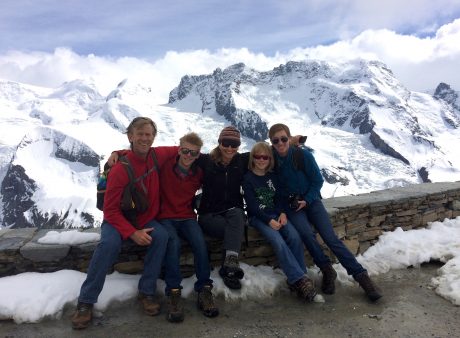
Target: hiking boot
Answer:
[[231, 281], [82, 316], [175, 312], [150, 305], [232, 267], [329, 277], [205, 302], [368, 286], [305, 288]]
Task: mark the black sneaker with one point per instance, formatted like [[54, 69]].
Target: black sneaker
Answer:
[[205, 302], [174, 312], [232, 267], [229, 279]]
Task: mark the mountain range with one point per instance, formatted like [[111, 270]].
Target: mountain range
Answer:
[[368, 132]]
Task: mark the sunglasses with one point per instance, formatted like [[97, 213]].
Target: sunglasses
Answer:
[[230, 143], [261, 157], [283, 139], [193, 153]]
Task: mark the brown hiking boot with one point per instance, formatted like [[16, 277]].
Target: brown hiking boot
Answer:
[[82, 316], [305, 288], [205, 302], [150, 305], [329, 277], [366, 283], [175, 312]]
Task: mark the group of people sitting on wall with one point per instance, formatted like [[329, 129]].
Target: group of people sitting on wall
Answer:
[[283, 202]]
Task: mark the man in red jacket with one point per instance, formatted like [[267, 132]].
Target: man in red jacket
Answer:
[[116, 229], [180, 179]]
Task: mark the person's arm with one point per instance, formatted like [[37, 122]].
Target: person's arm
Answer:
[[112, 213], [314, 177]]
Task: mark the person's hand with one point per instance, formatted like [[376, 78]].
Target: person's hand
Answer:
[[302, 204], [112, 159], [282, 219], [142, 237], [275, 225]]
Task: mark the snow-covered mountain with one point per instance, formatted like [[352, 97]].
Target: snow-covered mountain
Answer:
[[368, 131]]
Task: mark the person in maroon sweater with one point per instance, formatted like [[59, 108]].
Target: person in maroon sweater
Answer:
[[180, 179], [116, 229]]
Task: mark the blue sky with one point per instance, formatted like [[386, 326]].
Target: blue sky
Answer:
[[47, 42], [150, 28]]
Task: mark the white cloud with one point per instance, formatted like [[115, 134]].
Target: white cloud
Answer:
[[420, 63]]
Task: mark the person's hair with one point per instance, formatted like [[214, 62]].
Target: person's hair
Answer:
[[216, 155], [261, 147], [278, 127], [191, 138], [139, 122]]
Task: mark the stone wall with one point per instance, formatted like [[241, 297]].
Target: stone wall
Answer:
[[358, 220]]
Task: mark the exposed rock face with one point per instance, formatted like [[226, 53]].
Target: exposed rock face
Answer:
[[362, 97], [27, 203], [451, 98], [17, 190], [385, 148]]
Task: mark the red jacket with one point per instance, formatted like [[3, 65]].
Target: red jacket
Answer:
[[117, 181], [177, 191]]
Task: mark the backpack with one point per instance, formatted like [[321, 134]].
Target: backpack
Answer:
[[133, 201]]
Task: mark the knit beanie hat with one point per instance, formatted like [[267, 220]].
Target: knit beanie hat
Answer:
[[230, 133]]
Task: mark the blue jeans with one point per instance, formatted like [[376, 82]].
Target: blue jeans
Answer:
[[106, 254], [288, 248], [190, 231], [316, 214]]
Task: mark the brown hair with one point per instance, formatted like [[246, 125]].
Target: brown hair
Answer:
[[278, 127], [261, 147], [139, 122], [191, 138]]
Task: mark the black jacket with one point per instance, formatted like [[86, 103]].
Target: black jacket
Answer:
[[222, 184]]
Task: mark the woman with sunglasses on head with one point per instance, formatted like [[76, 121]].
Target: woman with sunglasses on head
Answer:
[[220, 212], [301, 188], [267, 214]]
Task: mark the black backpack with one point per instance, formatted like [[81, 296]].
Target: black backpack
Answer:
[[133, 201]]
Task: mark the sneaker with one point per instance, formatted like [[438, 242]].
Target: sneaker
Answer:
[[205, 302], [368, 286], [82, 316], [175, 312], [150, 305], [230, 281], [232, 267], [305, 289], [329, 277]]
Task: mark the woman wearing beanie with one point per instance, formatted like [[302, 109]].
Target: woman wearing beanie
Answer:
[[221, 212]]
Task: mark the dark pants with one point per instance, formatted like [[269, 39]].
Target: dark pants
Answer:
[[228, 226], [316, 214], [190, 231]]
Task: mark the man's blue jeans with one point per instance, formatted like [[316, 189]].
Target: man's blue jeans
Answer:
[[106, 255], [316, 214], [190, 231], [288, 248]]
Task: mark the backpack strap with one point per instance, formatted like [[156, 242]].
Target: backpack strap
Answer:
[[129, 170]]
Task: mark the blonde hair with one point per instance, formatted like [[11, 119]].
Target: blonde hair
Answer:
[[261, 147], [191, 138]]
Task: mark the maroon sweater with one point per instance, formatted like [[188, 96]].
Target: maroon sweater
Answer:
[[177, 191]]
